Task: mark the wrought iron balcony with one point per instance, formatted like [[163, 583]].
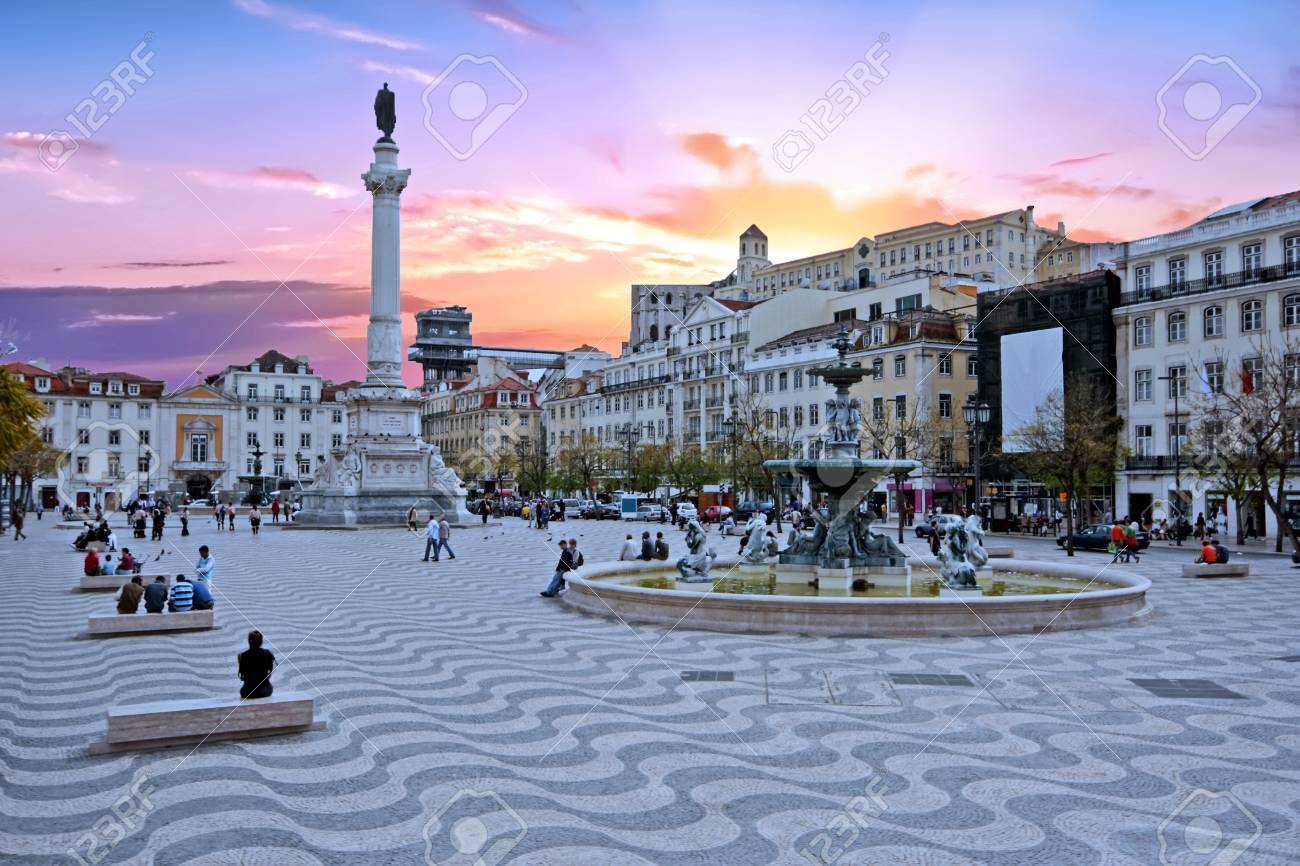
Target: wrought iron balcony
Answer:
[[1237, 279]]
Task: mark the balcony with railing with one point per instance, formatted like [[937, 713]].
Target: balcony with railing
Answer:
[[635, 383], [713, 402], [690, 405], [1203, 232], [1237, 279]]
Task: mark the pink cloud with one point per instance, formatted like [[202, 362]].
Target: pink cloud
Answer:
[[296, 20], [1080, 160], [272, 177]]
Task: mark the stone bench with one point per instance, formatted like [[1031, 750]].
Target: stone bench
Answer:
[[101, 582], [167, 724], [1217, 569], [142, 623], [1000, 552]]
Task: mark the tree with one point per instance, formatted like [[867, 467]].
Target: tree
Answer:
[[895, 431], [1072, 444], [759, 437], [584, 460], [532, 467], [649, 468], [1265, 401], [20, 409], [688, 469], [1220, 455]]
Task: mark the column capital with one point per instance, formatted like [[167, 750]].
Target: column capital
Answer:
[[382, 181]]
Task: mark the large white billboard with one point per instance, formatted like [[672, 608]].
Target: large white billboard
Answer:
[[1031, 370]]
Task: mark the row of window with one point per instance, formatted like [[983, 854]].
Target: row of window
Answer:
[[83, 436], [304, 415], [142, 410], [1212, 262], [932, 248], [114, 387], [278, 392], [1212, 377], [792, 278], [1213, 322]]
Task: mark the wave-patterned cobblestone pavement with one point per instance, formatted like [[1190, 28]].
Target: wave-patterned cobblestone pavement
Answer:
[[467, 713]]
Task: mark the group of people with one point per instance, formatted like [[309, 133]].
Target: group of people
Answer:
[[140, 512], [92, 565], [184, 595], [656, 549], [437, 536], [1124, 540], [538, 512]]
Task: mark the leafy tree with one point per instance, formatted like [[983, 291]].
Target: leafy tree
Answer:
[[759, 437], [649, 468], [688, 469], [1072, 443], [20, 409]]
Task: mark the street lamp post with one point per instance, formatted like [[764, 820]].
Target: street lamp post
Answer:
[[976, 413], [729, 427], [628, 436], [1174, 390], [257, 469]]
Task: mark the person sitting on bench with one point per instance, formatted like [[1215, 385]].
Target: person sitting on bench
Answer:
[[128, 597], [128, 563], [255, 665], [182, 595], [107, 566], [91, 564], [1208, 556], [155, 595], [202, 595]]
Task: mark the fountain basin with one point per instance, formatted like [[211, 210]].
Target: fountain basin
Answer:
[[1044, 596]]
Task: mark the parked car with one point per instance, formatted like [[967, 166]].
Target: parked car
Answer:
[[200, 503], [649, 512], [746, 510], [716, 513], [1097, 537], [687, 511], [923, 527], [610, 511]]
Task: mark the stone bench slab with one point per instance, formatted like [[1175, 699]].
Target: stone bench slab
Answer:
[[167, 724], [1217, 569], [145, 623], [96, 583], [1000, 552]]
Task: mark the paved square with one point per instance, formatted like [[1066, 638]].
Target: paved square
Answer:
[[464, 710]]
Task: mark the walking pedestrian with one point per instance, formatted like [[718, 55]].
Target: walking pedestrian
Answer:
[[444, 539], [275, 510], [410, 520], [185, 522], [16, 518], [254, 519], [431, 539], [485, 509], [230, 517], [158, 519]]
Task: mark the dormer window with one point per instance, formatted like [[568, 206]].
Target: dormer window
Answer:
[[115, 387], [279, 368], [97, 387], [133, 390], [42, 383]]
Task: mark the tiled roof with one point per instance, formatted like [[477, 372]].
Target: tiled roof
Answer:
[[738, 305], [754, 232]]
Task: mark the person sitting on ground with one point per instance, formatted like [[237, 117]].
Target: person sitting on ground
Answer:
[[182, 595], [202, 594], [661, 546], [1208, 555], [155, 595], [628, 553], [206, 566], [128, 597], [647, 547], [91, 564], [728, 524], [255, 666]]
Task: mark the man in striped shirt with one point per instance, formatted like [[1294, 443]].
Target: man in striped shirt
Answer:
[[182, 595]]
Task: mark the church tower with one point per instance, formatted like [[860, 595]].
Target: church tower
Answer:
[[753, 255]]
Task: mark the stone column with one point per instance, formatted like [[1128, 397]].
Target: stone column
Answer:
[[385, 181]]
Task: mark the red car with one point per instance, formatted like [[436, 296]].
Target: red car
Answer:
[[716, 513]]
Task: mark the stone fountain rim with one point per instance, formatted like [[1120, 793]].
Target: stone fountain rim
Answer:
[[1129, 586]]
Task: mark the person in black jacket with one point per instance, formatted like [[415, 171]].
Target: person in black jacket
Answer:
[[255, 665], [562, 568], [647, 547]]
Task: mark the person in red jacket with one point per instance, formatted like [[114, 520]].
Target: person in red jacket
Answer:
[[91, 565]]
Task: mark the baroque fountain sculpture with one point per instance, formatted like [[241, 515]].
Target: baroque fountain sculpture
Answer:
[[694, 567], [843, 542]]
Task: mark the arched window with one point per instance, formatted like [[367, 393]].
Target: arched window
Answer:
[[1291, 310], [1142, 331], [1252, 316], [1177, 327], [654, 332], [1213, 317], [668, 331], [654, 299], [669, 299]]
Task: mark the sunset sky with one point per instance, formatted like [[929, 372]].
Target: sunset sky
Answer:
[[642, 149]]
